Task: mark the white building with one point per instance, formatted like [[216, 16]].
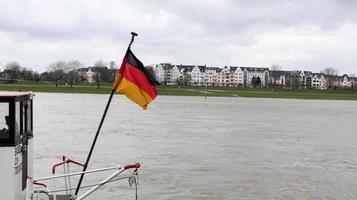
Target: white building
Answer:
[[343, 81], [230, 76], [236, 76], [250, 72], [86, 74], [318, 81], [90, 75], [346, 82], [185, 74], [224, 77], [210, 76], [197, 75], [159, 72], [175, 74], [282, 78], [162, 72]]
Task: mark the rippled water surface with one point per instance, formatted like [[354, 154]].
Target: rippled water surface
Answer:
[[221, 148]]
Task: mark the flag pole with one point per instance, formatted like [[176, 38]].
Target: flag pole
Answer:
[[133, 34]]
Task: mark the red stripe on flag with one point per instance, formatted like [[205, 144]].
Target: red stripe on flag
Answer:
[[138, 78]]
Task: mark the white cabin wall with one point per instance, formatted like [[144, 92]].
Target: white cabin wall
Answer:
[[11, 183]]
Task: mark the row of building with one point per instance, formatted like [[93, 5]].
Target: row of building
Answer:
[[235, 76]]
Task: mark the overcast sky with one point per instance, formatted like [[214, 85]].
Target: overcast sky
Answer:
[[309, 35]]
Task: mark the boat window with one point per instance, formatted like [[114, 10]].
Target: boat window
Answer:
[[17, 119], [24, 117], [4, 120], [28, 118]]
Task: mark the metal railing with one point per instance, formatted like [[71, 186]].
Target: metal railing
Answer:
[[67, 175]]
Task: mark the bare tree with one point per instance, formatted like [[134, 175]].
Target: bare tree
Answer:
[[354, 83], [112, 65], [353, 79], [288, 80], [101, 72], [59, 65], [275, 67], [72, 67], [330, 76], [27, 73], [58, 71], [112, 70], [100, 63], [274, 74], [187, 79], [256, 81], [151, 71], [179, 80], [13, 69], [330, 71]]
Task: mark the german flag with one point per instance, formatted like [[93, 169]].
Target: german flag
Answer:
[[134, 81]]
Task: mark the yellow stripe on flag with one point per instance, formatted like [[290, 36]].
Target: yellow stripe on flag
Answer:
[[133, 92]]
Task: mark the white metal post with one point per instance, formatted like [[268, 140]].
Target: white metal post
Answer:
[[100, 184]]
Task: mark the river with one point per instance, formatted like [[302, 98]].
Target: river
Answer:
[[219, 148]]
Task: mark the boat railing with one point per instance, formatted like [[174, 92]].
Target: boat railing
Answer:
[[57, 194]]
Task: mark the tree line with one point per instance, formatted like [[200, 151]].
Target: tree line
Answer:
[[70, 72]]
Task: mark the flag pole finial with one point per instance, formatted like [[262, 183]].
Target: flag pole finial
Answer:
[[133, 34]]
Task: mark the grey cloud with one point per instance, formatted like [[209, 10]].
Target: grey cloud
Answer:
[[79, 20], [201, 32]]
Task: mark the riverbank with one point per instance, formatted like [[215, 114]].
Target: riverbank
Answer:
[[43, 86]]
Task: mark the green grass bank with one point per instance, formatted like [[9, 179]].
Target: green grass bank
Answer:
[[44, 86]]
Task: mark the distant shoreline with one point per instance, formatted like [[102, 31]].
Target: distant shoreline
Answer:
[[188, 91]]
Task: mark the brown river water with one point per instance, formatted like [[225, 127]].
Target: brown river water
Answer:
[[219, 148]]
